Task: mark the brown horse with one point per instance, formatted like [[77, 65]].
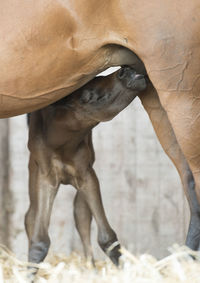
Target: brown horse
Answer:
[[50, 48], [61, 152], [56, 129]]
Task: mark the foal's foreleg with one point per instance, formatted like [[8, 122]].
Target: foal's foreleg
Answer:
[[83, 218], [88, 186], [42, 194]]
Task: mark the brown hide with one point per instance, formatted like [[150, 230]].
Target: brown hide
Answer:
[[50, 48]]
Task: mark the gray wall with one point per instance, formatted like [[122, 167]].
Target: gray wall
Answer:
[[5, 200], [141, 190]]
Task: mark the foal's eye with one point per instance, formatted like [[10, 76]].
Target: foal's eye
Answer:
[[108, 94], [100, 97], [104, 96]]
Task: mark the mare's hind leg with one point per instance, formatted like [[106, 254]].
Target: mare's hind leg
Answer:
[[166, 136], [175, 71], [83, 219], [186, 125]]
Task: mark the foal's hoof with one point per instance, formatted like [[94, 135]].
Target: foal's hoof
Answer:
[[132, 79], [114, 252]]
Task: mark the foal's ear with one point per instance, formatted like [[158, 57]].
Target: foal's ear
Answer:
[[86, 96]]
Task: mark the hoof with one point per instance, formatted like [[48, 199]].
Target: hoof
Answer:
[[113, 252]]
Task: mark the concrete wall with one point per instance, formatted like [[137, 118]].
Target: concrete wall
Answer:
[[5, 200], [141, 190]]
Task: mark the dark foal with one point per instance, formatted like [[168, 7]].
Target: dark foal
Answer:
[[61, 152]]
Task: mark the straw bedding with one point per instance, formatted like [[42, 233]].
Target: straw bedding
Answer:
[[182, 265]]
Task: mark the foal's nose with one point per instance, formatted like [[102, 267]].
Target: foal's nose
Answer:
[[139, 76], [131, 79], [125, 71]]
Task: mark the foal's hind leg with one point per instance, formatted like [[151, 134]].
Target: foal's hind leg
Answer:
[[88, 187], [83, 219], [166, 136]]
